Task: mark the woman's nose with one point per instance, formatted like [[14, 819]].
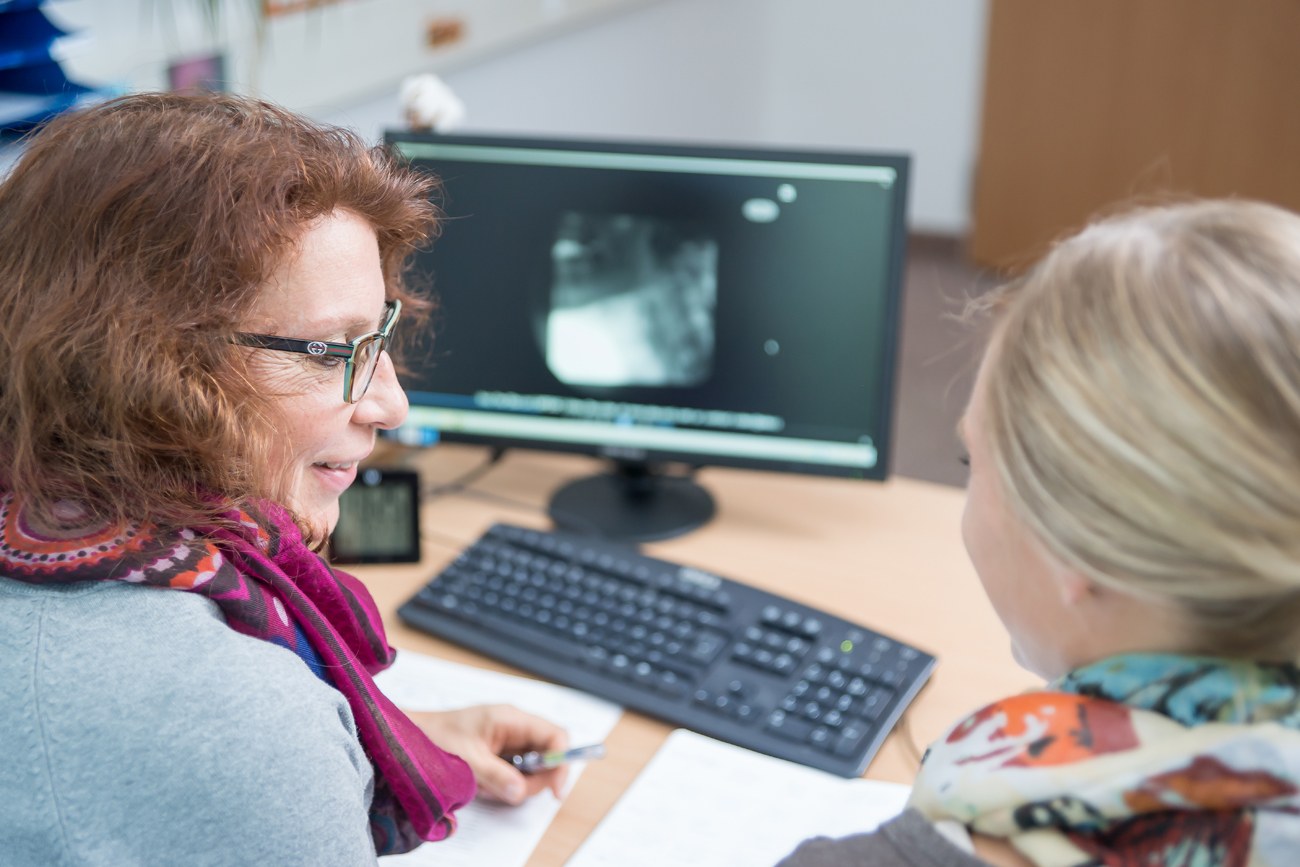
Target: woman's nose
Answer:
[[384, 404]]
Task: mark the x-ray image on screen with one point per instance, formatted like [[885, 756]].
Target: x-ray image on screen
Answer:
[[632, 302]]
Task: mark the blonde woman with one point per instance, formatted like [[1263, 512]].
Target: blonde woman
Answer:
[[1134, 516]]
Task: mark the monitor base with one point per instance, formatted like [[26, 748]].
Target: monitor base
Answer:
[[636, 503]]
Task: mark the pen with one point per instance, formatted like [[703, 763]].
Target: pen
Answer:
[[533, 761]]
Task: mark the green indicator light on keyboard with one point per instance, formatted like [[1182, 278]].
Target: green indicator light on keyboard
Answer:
[[846, 646]]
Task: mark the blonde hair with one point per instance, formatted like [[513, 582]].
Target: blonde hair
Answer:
[[1142, 394]]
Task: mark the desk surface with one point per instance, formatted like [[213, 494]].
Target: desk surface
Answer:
[[887, 555]]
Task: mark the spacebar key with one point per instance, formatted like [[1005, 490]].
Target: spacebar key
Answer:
[[513, 633]]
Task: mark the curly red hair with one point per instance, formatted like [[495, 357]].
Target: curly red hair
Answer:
[[134, 237]]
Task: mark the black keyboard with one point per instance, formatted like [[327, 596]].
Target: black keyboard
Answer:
[[725, 659]]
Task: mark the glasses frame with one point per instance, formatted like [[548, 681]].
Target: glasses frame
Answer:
[[331, 349]]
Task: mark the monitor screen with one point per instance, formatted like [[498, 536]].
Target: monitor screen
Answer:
[[658, 304]]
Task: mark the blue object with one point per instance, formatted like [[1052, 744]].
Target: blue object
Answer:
[[33, 86], [26, 36]]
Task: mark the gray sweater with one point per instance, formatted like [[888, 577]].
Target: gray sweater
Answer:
[[137, 728], [908, 841]]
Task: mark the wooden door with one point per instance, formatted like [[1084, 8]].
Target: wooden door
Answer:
[[1088, 103]]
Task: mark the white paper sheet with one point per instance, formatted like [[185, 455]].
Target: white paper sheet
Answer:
[[492, 833], [703, 802]]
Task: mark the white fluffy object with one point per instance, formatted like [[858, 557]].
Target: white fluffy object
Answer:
[[428, 103]]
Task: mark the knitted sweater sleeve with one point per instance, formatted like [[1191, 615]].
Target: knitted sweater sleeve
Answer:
[[143, 730], [909, 840]]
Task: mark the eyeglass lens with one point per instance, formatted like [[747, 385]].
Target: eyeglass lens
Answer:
[[365, 362]]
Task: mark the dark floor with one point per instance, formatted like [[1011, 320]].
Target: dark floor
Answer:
[[937, 359]]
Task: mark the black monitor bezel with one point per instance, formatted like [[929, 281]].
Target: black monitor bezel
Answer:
[[899, 162]]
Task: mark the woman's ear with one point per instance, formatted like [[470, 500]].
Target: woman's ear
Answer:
[[1074, 586]]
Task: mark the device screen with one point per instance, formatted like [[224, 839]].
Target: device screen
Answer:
[[379, 519]]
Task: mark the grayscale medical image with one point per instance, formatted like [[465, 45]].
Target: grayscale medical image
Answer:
[[632, 302]]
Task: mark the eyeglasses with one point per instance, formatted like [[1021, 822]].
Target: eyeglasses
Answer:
[[361, 355]]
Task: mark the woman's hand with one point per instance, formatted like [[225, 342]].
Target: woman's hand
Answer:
[[482, 734]]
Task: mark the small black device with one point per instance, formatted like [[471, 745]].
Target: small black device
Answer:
[[379, 519], [724, 658]]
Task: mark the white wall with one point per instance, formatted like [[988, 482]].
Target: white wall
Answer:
[[886, 74], [897, 75], [311, 60]]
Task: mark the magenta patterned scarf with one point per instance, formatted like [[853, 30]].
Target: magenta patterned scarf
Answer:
[[270, 585]]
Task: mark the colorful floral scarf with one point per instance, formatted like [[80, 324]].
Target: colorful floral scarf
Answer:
[[1149, 760], [270, 585]]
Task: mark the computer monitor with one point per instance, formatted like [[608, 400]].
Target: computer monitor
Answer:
[[661, 305]]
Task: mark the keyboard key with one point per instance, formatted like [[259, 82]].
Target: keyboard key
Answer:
[[706, 647], [670, 684], [874, 704], [791, 728], [850, 739]]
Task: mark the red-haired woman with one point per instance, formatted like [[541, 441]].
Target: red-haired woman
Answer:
[[197, 298]]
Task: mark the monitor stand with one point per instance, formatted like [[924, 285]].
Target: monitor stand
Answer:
[[636, 502]]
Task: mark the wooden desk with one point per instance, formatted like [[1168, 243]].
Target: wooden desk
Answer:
[[887, 555]]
